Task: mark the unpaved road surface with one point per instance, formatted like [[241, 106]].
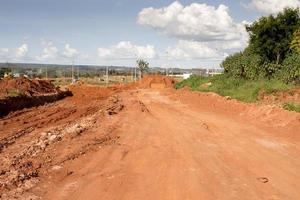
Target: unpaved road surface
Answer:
[[176, 146]]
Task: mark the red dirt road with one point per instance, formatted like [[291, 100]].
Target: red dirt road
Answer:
[[161, 144], [174, 150]]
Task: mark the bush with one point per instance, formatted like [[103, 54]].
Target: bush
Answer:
[[271, 70], [237, 88], [242, 65], [193, 82], [249, 66], [290, 71]]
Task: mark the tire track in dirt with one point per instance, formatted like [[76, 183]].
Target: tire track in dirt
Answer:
[[177, 150], [149, 144]]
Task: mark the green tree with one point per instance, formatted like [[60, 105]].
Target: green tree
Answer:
[[3, 71], [271, 36], [143, 66], [233, 66], [243, 65], [295, 44]]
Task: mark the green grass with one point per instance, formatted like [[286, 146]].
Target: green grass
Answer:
[[240, 89], [14, 93], [292, 107]]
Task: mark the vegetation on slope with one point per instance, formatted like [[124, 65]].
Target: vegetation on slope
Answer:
[[237, 88], [292, 107], [273, 50]]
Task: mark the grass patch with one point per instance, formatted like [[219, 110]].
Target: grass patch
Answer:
[[240, 89], [292, 107], [14, 93]]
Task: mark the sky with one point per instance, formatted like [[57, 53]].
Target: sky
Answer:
[[166, 33]]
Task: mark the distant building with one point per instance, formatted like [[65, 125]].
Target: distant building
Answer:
[[186, 75]]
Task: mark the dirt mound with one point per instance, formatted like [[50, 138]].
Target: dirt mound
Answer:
[[19, 93], [25, 87], [156, 81], [38, 146]]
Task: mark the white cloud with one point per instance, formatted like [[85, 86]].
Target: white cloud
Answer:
[[200, 22], [4, 53], [21, 51], [186, 50], [273, 6], [70, 52], [126, 50], [204, 31], [14, 54], [49, 52]]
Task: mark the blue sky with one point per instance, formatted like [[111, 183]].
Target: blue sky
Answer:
[[116, 32]]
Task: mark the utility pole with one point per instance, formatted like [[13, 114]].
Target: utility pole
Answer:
[[131, 71], [167, 55], [106, 75], [135, 72], [135, 55], [78, 72], [64, 75], [72, 70], [46, 72]]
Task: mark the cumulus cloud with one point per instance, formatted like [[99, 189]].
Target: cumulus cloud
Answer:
[[4, 53], [186, 50], [49, 51], [126, 50], [14, 54], [200, 22], [21, 51], [203, 31], [273, 6], [70, 52]]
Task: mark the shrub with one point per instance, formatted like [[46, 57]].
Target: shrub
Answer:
[[237, 88], [271, 70], [242, 65], [291, 107], [290, 71]]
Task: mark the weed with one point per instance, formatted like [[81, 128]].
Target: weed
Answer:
[[292, 107], [237, 88]]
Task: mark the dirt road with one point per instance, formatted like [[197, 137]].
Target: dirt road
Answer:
[[171, 148], [149, 141]]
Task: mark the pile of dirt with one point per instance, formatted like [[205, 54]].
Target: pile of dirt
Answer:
[[156, 81], [33, 153], [23, 86], [19, 93]]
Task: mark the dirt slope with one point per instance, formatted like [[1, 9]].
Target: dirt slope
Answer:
[[21, 92], [150, 144], [25, 87]]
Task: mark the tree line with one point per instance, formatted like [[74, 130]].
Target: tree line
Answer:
[[273, 50]]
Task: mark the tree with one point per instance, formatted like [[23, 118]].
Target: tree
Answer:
[[295, 44], [271, 36], [244, 64], [143, 66], [4, 71]]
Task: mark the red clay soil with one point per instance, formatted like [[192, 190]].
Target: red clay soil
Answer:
[[24, 86], [279, 98], [154, 143], [152, 81], [19, 93]]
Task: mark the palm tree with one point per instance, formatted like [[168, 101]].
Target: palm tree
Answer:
[[143, 66]]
